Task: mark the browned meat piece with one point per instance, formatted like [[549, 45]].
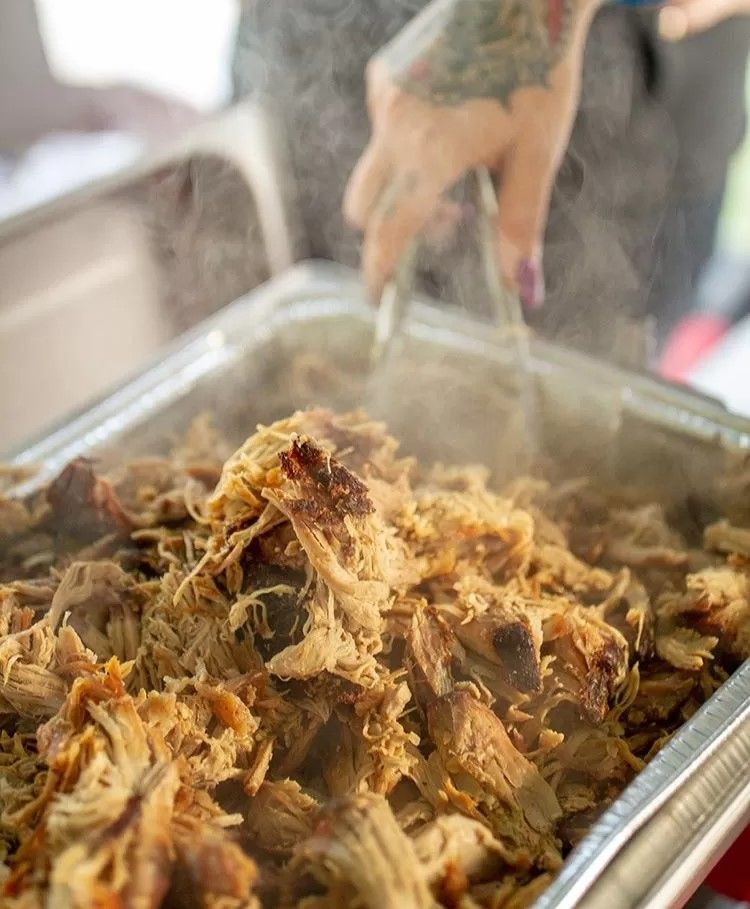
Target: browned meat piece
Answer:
[[23, 781], [455, 846], [591, 659], [642, 538], [100, 602], [432, 648], [661, 694], [511, 641], [276, 478], [280, 816], [716, 604], [86, 506], [359, 853], [684, 648], [511, 892], [335, 523], [271, 606], [520, 805], [209, 863], [373, 750], [557, 570], [452, 531], [155, 492], [15, 518], [327, 646], [627, 607], [499, 627], [34, 666], [329, 492], [723, 537]]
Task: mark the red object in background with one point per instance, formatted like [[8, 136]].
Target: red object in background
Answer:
[[689, 343], [731, 877]]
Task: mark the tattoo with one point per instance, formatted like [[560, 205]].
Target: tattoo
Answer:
[[457, 50]]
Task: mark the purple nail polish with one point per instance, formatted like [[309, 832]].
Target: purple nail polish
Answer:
[[530, 284]]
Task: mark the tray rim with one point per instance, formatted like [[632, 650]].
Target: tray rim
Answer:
[[206, 343]]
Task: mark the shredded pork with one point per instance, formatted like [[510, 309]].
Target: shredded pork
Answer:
[[318, 674]]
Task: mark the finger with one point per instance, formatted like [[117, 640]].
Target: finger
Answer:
[[444, 222], [366, 184], [680, 20], [524, 196], [400, 214], [378, 87]]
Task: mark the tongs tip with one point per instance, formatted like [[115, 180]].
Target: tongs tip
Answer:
[[394, 303]]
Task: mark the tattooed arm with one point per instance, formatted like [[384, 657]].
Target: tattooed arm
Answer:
[[470, 83], [457, 51], [480, 82]]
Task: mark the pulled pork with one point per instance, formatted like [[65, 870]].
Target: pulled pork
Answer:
[[317, 674]]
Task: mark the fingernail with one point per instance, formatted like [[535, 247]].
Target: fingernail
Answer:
[[673, 24], [530, 284]]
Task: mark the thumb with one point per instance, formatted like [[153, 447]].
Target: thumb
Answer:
[[366, 184], [523, 198], [683, 18]]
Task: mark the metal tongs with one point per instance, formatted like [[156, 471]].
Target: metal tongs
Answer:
[[507, 309]]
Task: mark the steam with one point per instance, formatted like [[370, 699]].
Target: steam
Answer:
[[204, 233], [306, 61]]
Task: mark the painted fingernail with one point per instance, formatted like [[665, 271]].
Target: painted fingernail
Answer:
[[530, 284]]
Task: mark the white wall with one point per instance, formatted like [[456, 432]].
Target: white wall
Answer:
[[177, 47]]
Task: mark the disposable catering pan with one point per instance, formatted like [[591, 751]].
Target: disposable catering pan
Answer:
[[449, 390]]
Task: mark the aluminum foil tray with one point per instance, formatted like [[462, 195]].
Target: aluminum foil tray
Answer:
[[450, 390]]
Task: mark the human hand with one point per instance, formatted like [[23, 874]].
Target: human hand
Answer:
[[681, 18], [469, 83]]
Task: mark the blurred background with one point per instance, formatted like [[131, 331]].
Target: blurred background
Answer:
[[130, 198], [178, 52], [137, 196]]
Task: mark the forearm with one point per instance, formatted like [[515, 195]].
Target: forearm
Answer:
[[458, 50]]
